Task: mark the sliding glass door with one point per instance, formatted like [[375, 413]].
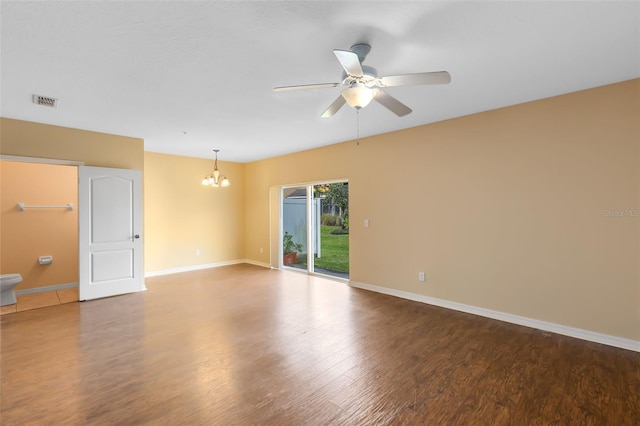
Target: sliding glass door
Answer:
[[315, 228]]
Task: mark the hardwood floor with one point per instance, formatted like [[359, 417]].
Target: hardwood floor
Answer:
[[247, 345]]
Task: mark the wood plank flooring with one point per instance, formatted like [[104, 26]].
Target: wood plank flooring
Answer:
[[243, 345]]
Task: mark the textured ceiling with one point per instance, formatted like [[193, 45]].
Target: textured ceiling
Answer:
[[188, 77]]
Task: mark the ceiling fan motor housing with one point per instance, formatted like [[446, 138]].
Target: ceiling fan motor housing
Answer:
[[370, 75], [362, 50]]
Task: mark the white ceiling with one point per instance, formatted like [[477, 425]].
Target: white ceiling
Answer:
[[155, 70]]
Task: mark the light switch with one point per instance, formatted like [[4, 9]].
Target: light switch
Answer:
[[366, 223]]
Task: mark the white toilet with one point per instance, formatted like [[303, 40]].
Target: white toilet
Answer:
[[7, 283]]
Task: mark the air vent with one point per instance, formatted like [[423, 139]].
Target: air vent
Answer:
[[45, 101]]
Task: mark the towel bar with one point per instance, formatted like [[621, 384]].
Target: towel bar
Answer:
[[21, 207]]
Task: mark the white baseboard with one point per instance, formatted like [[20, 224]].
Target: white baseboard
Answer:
[[255, 262], [191, 268], [47, 288], [203, 266], [578, 333]]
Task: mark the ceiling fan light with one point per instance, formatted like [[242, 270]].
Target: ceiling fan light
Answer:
[[358, 96]]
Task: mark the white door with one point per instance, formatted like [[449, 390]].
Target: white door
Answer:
[[110, 231]]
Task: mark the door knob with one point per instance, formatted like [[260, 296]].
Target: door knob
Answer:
[[136, 236]]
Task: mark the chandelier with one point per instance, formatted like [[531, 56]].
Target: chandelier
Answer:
[[214, 178]]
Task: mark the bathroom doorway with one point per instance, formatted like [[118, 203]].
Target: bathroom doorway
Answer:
[[39, 243], [41, 218]]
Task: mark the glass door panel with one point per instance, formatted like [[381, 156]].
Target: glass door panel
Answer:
[[331, 229], [294, 227]]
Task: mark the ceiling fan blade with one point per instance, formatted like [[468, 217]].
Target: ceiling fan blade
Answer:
[[349, 62], [438, 77], [305, 86], [391, 103], [334, 107]]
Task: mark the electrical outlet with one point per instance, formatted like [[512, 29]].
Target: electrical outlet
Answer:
[[198, 252], [421, 276]]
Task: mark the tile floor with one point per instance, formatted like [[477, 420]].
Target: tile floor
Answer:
[[41, 300]]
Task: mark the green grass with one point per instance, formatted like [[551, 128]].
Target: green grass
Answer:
[[334, 250]]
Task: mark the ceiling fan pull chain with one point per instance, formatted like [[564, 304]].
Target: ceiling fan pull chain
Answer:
[[357, 127]]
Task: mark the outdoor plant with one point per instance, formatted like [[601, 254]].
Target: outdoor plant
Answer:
[[340, 231], [330, 220], [288, 246], [344, 229]]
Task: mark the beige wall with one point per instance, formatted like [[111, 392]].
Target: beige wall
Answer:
[[26, 235], [27, 139], [182, 216], [504, 210]]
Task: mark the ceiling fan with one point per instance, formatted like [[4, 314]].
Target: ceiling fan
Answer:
[[361, 83]]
